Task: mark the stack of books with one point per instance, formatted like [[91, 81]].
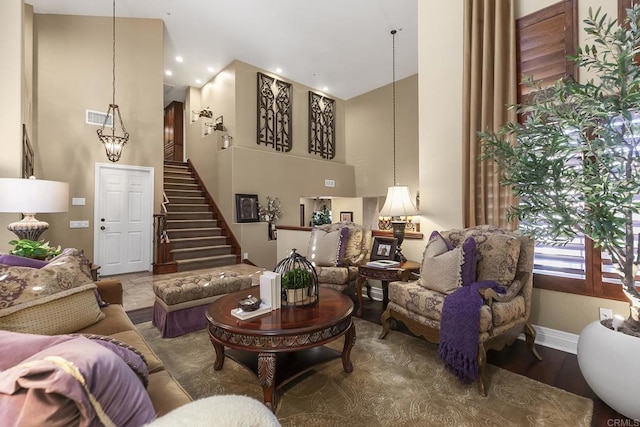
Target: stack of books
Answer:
[[270, 294], [383, 263]]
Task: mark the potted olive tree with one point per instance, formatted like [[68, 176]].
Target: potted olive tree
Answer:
[[574, 163]]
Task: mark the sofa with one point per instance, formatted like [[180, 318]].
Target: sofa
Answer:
[[46, 307]]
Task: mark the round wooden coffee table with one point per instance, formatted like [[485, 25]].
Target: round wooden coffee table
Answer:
[[283, 344]]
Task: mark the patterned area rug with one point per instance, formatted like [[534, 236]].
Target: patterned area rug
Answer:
[[398, 381]]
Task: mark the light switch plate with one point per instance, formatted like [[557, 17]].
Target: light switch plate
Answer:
[[78, 201], [329, 183], [78, 224]]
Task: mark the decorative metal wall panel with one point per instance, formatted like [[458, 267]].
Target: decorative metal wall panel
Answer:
[[322, 127], [274, 113]]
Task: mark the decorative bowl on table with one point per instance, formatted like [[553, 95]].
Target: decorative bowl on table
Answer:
[[250, 303]]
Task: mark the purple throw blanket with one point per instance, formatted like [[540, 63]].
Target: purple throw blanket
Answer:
[[459, 329]]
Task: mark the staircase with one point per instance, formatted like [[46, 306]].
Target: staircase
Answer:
[[196, 238]]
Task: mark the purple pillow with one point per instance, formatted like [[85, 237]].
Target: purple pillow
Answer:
[[468, 269], [21, 261], [36, 366], [342, 246]]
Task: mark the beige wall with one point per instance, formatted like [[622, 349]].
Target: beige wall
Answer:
[[72, 67], [440, 100], [370, 138], [11, 102]]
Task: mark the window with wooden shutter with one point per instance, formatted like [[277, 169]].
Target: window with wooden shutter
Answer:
[[577, 267]]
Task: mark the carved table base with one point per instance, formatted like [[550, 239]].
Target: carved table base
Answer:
[[286, 343]]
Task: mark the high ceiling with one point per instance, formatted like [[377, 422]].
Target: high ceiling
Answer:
[[341, 47]]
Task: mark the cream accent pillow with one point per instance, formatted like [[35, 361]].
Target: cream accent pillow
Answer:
[[60, 313], [324, 247], [445, 269]]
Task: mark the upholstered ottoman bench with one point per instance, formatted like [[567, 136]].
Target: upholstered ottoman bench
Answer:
[[181, 303]]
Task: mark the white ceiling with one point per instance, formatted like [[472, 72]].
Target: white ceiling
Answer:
[[343, 45]]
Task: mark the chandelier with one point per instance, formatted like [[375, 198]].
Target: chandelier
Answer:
[[113, 144]]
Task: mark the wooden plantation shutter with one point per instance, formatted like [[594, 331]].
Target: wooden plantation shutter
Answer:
[[544, 40]]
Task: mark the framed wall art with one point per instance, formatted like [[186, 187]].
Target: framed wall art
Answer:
[[247, 208], [346, 216], [274, 113]]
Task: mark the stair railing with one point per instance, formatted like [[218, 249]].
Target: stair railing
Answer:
[[163, 262], [222, 223]]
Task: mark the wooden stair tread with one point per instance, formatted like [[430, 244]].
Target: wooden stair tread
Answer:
[[214, 257], [200, 242], [200, 248]]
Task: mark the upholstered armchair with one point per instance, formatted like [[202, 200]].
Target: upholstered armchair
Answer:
[[496, 265], [336, 250]]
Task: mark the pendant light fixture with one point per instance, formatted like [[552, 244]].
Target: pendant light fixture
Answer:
[[113, 144], [398, 204]]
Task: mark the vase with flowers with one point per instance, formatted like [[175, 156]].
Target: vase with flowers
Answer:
[[270, 213]]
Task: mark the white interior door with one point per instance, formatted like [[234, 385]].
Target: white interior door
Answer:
[[123, 218]]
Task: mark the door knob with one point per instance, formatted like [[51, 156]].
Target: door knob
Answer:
[[103, 228]]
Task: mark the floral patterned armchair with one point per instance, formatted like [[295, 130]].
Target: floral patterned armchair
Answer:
[[502, 257], [341, 255]]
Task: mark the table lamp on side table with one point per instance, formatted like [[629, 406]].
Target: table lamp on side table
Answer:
[[398, 206], [31, 196]]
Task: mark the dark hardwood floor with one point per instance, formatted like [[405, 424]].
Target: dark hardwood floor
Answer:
[[557, 368]]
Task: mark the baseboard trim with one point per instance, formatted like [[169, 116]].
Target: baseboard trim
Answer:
[[553, 338], [376, 293]]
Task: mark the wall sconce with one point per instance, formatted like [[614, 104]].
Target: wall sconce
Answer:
[[226, 140], [196, 114], [218, 124]]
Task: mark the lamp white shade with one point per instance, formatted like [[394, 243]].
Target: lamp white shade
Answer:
[[398, 202], [33, 195]]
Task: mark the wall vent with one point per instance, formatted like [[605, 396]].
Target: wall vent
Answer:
[[97, 118]]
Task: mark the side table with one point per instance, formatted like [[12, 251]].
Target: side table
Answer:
[[94, 272], [385, 275]]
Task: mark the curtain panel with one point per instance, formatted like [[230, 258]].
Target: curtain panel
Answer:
[[489, 89]]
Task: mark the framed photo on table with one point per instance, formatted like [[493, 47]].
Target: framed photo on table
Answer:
[[247, 208], [346, 216], [384, 248]]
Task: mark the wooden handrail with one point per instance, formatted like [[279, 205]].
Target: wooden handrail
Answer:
[[222, 223], [163, 262]]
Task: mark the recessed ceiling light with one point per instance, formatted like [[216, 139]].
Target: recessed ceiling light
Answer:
[[325, 88], [210, 69], [198, 81], [168, 73], [278, 70], [179, 59]]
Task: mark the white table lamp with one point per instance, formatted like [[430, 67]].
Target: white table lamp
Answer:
[[398, 206], [30, 196]]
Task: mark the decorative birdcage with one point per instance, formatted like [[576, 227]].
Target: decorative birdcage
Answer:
[[299, 281]]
